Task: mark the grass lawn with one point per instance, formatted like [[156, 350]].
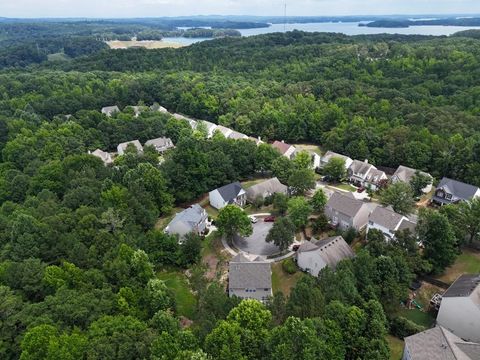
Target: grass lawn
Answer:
[[164, 220], [250, 183], [419, 317], [183, 296], [281, 281], [396, 347], [309, 147], [346, 187], [467, 263]]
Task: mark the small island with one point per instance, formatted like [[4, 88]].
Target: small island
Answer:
[[390, 23]]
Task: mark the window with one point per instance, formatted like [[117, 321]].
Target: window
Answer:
[[448, 196]]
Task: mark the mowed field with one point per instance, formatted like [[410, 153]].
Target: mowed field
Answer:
[[150, 44]]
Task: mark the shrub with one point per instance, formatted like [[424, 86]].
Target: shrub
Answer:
[[349, 235], [402, 327], [289, 266]]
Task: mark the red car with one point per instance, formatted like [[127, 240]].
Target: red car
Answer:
[[269, 219], [361, 189]]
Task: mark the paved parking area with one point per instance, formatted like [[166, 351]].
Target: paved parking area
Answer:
[[255, 243]]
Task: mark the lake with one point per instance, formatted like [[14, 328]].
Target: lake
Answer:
[[339, 27]]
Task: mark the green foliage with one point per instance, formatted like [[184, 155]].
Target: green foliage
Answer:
[[335, 169], [282, 233], [301, 180], [419, 182], [298, 211], [400, 196], [319, 200], [280, 203], [289, 266], [232, 220], [402, 327]]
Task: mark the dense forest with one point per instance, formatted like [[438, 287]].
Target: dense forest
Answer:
[[79, 250]]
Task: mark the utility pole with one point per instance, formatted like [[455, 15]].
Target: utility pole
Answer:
[[285, 18]]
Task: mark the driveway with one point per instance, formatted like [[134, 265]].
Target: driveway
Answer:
[[255, 243]]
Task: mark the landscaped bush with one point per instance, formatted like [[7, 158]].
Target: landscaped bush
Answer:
[[289, 266], [402, 327], [349, 235]]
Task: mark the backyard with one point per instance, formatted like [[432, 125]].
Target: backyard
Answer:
[[178, 283], [281, 281], [396, 347], [467, 263]]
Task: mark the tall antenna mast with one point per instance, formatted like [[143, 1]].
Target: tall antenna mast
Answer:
[[285, 18]]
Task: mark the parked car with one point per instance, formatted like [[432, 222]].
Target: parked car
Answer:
[[295, 247], [270, 218], [253, 219], [361, 189]]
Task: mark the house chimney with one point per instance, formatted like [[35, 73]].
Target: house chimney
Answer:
[[366, 161]]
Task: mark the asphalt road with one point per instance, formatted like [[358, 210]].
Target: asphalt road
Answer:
[[256, 244]]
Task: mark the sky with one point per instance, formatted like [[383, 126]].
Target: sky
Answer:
[[157, 8]]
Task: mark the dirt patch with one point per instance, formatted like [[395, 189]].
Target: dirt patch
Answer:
[[211, 262]]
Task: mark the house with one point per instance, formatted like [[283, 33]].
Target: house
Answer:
[[406, 174], [110, 110], [211, 127], [439, 344], [161, 144], [265, 189], [285, 149], [389, 222], [312, 256], [330, 154], [224, 130], [362, 173], [137, 110], [235, 135], [194, 219], [249, 279], [451, 191], [460, 308], [123, 146], [316, 160], [257, 141], [104, 156], [191, 122], [157, 107], [228, 194], [344, 211]]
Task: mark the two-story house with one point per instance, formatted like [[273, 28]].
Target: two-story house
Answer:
[[344, 211], [389, 222], [285, 149], [330, 155], [406, 174], [362, 173], [161, 144], [191, 220], [228, 194], [451, 191]]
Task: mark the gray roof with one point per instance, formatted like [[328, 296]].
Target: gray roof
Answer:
[[209, 125], [458, 188], [135, 143], [246, 274], [464, 286], [375, 175], [345, 203], [231, 191], [440, 344], [406, 174], [360, 167], [105, 156], [235, 135], [332, 250], [160, 142], [186, 220], [110, 109], [224, 130], [270, 186], [157, 107], [407, 224], [330, 154], [386, 217]]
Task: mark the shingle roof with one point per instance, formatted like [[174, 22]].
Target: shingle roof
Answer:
[[464, 286], [135, 143], [160, 142], [330, 154], [224, 130], [386, 218], [271, 186], [231, 191], [246, 274], [237, 136], [209, 125], [104, 156], [406, 174], [375, 175], [458, 188], [332, 250], [440, 344], [281, 146], [345, 204], [360, 167], [110, 109]]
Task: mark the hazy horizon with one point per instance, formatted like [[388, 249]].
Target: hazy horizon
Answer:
[[172, 8]]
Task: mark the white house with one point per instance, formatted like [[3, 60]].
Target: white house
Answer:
[[228, 194], [312, 256], [110, 110], [235, 135], [191, 122], [362, 173], [194, 219], [104, 156], [330, 154], [123, 146], [460, 308], [406, 174], [285, 149], [389, 222], [161, 144], [211, 127], [439, 344]]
